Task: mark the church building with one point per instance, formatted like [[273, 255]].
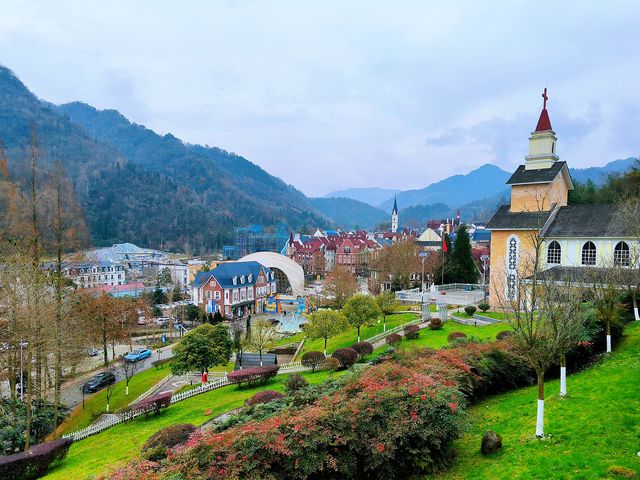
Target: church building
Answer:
[[394, 217], [569, 236]]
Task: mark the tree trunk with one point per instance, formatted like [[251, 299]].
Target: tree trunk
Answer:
[[325, 346], [260, 351], [563, 375], [384, 323], [608, 337], [635, 308], [105, 348], [540, 413], [358, 333]]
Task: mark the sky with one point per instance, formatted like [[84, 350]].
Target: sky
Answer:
[[338, 94]]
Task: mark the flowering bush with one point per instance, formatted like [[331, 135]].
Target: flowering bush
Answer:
[[346, 356], [253, 375], [411, 332], [35, 462], [312, 359], [156, 446], [362, 348], [393, 339], [456, 335], [265, 396], [435, 324]]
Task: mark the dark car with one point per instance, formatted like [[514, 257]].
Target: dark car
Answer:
[[98, 382]]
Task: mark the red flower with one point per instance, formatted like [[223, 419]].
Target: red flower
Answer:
[[453, 406], [380, 447]]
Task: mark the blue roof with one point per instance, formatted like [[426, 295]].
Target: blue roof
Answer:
[[225, 272], [481, 235]]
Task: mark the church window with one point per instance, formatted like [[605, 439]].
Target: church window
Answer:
[[512, 253], [589, 254], [621, 254], [513, 250], [554, 253], [553, 147]]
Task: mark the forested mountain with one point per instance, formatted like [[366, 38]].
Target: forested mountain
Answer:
[[373, 196], [137, 186], [350, 214]]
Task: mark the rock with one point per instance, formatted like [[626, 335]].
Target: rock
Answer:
[[491, 442]]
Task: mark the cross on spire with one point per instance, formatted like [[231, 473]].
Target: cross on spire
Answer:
[[545, 98]]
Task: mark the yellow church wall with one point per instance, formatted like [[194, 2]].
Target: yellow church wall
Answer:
[[539, 197]]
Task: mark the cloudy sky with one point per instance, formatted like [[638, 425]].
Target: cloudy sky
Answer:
[[329, 95]]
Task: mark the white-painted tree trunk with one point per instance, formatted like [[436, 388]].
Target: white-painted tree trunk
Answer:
[[107, 408], [540, 419], [636, 314], [563, 381], [608, 343]]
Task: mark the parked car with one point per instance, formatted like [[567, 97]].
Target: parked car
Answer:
[[98, 382], [162, 321], [92, 352], [137, 355], [142, 321]]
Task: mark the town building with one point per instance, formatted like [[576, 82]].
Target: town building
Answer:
[[234, 288], [93, 274], [573, 236], [256, 238]]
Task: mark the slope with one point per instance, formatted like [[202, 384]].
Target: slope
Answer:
[[373, 196], [350, 214]]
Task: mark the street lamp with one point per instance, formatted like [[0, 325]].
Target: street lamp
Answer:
[[485, 263]]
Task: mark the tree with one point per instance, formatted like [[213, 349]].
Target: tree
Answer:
[[262, 337], [158, 297], [443, 269], [463, 269], [360, 310], [108, 391], [217, 317], [164, 277], [606, 290], [193, 312], [129, 369], [386, 302], [237, 329], [325, 324], [203, 347], [339, 286], [399, 262]]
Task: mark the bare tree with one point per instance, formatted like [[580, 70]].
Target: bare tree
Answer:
[[129, 369], [108, 391], [262, 337], [339, 286]]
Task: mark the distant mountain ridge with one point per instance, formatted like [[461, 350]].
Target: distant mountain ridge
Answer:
[[373, 196], [350, 214]]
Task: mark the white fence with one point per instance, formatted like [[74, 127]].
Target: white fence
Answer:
[[451, 294], [397, 329]]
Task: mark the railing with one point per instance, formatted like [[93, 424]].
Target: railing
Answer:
[[397, 329]]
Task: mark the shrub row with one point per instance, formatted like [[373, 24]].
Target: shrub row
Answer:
[[362, 348], [253, 375], [313, 360], [155, 448], [149, 405], [346, 357], [35, 462], [265, 396]]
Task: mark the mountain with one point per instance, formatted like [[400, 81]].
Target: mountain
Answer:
[[455, 190], [373, 196], [350, 214], [417, 216], [135, 185], [598, 175]]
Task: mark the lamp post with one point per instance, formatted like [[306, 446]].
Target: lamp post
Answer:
[[485, 260]]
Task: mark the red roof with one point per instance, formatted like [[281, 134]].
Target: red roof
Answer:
[[543, 123]]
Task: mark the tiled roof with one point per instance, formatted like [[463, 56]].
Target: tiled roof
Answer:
[[544, 123], [250, 360], [225, 272], [543, 175], [504, 219], [589, 221]]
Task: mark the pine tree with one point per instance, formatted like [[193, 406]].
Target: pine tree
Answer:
[[463, 267]]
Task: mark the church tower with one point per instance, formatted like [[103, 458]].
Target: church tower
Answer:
[[542, 142], [394, 217]]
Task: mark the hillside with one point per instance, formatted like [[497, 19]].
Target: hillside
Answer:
[[598, 175], [350, 214], [418, 215], [373, 196], [137, 186]]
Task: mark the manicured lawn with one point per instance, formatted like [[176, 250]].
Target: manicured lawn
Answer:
[[96, 403], [596, 427], [107, 450], [438, 338], [496, 315]]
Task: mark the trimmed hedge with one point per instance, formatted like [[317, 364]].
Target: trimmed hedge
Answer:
[[331, 363], [362, 348], [455, 335], [393, 339], [484, 307], [265, 396], [346, 356], [35, 462], [313, 359], [253, 375], [155, 448], [411, 332], [470, 310], [435, 324], [149, 405]]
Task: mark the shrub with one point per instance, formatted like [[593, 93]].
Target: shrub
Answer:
[[313, 359], [155, 448], [362, 348], [455, 335], [435, 324], [331, 364], [393, 339], [34, 463], [622, 472], [411, 332], [504, 334], [484, 307], [346, 356], [253, 375], [265, 396], [294, 383], [470, 310], [152, 404]]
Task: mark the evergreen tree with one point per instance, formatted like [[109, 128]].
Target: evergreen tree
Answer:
[[463, 268]]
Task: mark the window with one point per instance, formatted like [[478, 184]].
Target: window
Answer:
[[216, 295], [208, 294], [250, 278], [554, 253], [553, 147], [589, 254], [242, 279], [235, 280], [513, 252], [621, 254]]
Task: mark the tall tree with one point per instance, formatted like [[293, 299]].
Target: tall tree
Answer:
[[325, 324], [463, 269], [361, 310], [386, 302], [339, 286], [263, 337], [202, 348]]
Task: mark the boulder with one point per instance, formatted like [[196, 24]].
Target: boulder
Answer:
[[491, 442]]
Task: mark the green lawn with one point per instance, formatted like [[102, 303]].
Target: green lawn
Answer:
[[350, 336], [496, 315], [107, 450], [96, 403], [596, 427]]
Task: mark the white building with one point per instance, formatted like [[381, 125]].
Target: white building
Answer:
[[93, 274]]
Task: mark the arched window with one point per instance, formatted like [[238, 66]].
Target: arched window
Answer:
[[589, 254], [554, 253], [621, 254], [513, 253]]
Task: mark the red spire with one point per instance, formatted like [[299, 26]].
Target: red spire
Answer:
[[543, 122]]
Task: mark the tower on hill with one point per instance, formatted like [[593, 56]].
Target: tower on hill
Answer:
[[394, 217]]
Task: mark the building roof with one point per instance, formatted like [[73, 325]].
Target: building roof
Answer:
[[395, 207], [588, 275], [504, 219], [225, 272], [481, 235], [543, 175], [250, 360], [588, 221], [544, 123]]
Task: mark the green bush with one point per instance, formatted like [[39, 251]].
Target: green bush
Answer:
[[294, 383], [470, 310], [155, 448], [484, 307]]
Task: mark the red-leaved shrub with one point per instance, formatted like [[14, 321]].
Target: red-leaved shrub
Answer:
[[411, 332], [456, 335], [504, 334], [265, 396], [346, 356], [156, 446], [435, 324], [35, 462], [362, 348], [393, 339], [312, 359], [253, 375]]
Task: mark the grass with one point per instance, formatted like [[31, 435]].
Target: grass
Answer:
[[496, 315], [594, 428], [96, 403], [101, 453]]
